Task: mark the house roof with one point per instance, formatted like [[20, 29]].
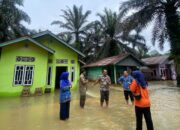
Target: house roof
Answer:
[[58, 39], [155, 60], [27, 39], [110, 60], [145, 69]]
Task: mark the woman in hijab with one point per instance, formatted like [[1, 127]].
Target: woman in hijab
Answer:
[[65, 96], [142, 102]]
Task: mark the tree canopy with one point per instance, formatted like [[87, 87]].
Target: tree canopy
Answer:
[[10, 20], [166, 18], [75, 22]]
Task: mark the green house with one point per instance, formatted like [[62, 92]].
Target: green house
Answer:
[[115, 66], [36, 62]]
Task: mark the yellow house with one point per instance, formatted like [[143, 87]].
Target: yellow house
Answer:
[[36, 62]]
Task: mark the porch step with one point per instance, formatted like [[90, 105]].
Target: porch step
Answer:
[[25, 92], [38, 92]]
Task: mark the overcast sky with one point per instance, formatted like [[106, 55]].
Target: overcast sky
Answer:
[[43, 12]]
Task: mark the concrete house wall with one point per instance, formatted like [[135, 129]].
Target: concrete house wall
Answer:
[[94, 72], [61, 52], [115, 70], [46, 50], [8, 62]]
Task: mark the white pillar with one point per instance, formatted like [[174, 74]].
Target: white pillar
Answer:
[[115, 78]]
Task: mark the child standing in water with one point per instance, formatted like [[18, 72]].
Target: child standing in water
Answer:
[[65, 96], [142, 101]]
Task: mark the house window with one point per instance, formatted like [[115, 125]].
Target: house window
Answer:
[[28, 75], [49, 73], [18, 76], [23, 75], [72, 74]]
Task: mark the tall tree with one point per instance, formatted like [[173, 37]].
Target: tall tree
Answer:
[[93, 40], [109, 22], [66, 37], [164, 13], [10, 20], [75, 21], [114, 40]]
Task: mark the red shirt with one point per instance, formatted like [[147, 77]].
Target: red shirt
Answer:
[[136, 89]]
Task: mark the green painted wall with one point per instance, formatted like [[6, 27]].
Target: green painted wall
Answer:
[[94, 73], [61, 52], [129, 61], [8, 62]]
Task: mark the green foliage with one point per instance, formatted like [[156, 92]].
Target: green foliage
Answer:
[[100, 38], [75, 22], [114, 41], [109, 22], [66, 37], [149, 10], [166, 21], [10, 20]]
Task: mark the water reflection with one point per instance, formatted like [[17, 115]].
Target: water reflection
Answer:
[[41, 113]]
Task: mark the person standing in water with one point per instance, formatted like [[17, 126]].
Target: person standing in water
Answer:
[[126, 80], [65, 96], [82, 88], [142, 102], [105, 82]]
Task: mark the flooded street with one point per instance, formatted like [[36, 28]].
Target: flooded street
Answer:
[[42, 113]]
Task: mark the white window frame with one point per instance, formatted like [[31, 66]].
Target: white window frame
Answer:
[[24, 75], [15, 73], [48, 77], [32, 73]]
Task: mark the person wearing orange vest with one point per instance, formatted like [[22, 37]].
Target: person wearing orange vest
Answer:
[[142, 102]]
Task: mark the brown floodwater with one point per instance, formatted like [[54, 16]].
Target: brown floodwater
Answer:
[[42, 112]]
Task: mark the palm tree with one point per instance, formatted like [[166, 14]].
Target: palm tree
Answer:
[[10, 20], [66, 37], [93, 40], [109, 22], [137, 40], [164, 14], [111, 25], [75, 21]]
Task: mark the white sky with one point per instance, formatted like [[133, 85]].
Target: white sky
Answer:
[[43, 12]]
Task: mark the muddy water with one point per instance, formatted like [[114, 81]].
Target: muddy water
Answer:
[[41, 113]]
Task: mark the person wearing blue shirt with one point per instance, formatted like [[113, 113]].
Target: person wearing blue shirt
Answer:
[[126, 80], [65, 96]]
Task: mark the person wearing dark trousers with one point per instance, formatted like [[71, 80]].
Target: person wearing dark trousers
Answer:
[[65, 96], [64, 110], [126, 80], [147, 115], [142, 102], [105, 83], [82, 88], [82, 101]]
